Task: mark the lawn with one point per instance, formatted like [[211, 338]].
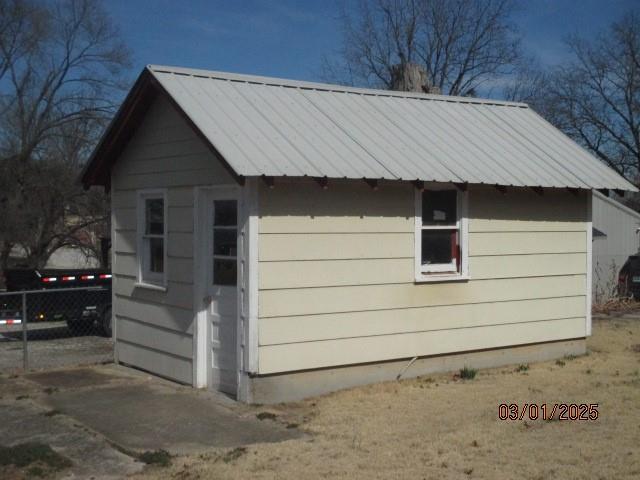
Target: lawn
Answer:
[[443, 427]]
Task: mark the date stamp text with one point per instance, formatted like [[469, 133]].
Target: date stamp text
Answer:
[[551, 411]]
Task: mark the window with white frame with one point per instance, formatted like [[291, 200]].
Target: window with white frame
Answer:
[[441, 250], [152, 237]]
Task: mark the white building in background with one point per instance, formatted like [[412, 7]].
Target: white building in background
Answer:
[[615, 237]]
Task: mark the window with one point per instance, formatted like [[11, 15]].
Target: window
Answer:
[[225, 242], [441, 252], [152, 238]]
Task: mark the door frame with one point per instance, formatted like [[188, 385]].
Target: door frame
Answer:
[[247, 287], [202, 240]]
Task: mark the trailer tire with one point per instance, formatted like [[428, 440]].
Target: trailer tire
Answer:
[[106, 322]]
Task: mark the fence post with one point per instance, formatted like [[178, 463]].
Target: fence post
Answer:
[[25, 352]]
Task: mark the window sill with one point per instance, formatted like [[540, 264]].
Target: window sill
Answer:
[[150, 286], [443, 277]]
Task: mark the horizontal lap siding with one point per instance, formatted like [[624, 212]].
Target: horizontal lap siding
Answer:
[[155, 329], [326, 273], [408, 345], [336, 275]]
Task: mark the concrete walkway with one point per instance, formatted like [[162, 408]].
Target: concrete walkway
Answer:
[[93, 414]]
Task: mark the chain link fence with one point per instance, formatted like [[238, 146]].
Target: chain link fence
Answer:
[[42, 329]]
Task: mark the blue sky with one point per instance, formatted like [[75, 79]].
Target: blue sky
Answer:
[[289, 38]]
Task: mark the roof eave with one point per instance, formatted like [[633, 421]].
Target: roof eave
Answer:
[[97, 170]]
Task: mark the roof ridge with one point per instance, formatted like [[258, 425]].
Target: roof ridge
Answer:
[[283, 82]]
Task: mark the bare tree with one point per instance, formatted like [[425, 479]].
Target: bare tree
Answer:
[[61, 67], [595, 96], [461, 44]]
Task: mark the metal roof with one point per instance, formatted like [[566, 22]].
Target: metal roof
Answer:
[[274, 127]]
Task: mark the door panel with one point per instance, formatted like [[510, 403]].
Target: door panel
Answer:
[[222, 280]]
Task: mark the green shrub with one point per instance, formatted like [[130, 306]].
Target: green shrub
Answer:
[[468, 373]]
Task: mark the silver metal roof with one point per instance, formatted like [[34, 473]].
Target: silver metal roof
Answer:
[[274, 127]]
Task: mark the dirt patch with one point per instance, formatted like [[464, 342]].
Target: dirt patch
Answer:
[[28, 460], [443, 427], [77, 378]]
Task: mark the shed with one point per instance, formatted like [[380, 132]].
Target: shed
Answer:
[[275, 239], [615, 237]]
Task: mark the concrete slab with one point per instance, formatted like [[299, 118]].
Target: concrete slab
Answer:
[[92, 456], [156, 416]]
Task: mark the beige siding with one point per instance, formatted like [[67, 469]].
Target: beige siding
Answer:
[[336, 275], [155, 329], [344, 351]]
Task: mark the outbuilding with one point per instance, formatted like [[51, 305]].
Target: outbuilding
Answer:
[[615, 237], [276, 239]]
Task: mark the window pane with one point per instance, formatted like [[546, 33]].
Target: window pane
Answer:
[[154, 216], [439, 207], [156, 255], [225, 241], [224, 272], [225, 213], [439, 246]]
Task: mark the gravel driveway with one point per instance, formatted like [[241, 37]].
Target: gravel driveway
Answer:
[[51, 345]]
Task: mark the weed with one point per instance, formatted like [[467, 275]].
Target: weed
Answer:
[[468, 471], [161, 458], [50, 390], [468, 373], [25, 454], [36, 471], [523, 367], [560, 363], [266, 416], [234, 454], [22, 397], [570, 357], [588, 371], [635, 348], [475, 443], [52, 413], [292, 425]]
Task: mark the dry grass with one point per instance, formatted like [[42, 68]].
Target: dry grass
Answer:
[[617, 306], [443, 428]]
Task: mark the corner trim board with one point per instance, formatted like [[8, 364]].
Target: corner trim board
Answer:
[[589, 293]]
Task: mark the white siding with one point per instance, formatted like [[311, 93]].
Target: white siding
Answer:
[[336, 275], [619, 224], [155, 329]]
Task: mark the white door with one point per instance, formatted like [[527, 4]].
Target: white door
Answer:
[[222, 290]]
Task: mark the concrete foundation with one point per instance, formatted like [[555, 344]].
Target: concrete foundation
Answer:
[[299, 385]]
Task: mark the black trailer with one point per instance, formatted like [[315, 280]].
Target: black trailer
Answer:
[[80, 297]]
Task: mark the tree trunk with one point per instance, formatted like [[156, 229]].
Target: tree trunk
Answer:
[[5, 252], [410, 77]]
